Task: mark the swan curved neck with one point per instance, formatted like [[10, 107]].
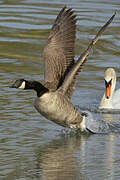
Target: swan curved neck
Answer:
[[37, 86]]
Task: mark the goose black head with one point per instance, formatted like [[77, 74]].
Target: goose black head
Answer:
[[19, 84]]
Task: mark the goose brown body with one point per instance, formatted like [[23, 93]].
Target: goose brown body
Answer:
[[59, 109]]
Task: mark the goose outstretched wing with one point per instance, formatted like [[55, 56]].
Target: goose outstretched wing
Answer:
[[78, 66], [59, 51]]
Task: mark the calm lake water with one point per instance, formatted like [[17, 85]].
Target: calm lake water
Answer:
[[32, 147]]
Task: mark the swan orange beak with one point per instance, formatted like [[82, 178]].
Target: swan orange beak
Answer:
[[108, 91]]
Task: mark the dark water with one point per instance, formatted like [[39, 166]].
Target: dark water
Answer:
[[32, 147]]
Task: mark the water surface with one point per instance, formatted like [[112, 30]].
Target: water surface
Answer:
[[32, 147]]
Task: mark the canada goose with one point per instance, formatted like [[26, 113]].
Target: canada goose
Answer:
[[110, 99], [53, 98]]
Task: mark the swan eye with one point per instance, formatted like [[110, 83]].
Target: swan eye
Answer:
[[110, 82], [105, 82]]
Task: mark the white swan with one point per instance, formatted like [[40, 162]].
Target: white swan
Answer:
[[111, 99]]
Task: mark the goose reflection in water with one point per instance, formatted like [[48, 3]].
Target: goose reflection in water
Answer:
[[74, 157]]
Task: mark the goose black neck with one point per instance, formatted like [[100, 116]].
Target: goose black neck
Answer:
[[37, 86]]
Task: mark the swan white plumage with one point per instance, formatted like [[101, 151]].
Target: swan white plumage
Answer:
[[111, 98]]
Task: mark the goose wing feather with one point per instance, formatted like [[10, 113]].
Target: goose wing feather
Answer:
[[78, 66], [59, 51]]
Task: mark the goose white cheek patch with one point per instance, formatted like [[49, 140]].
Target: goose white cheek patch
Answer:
[[22, 85]]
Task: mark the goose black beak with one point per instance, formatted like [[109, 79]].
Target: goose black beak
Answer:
[[18, 83]]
